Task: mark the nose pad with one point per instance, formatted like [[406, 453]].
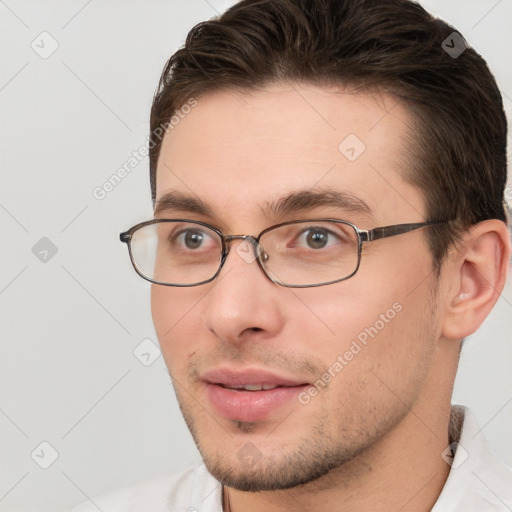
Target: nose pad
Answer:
[[249, 249]]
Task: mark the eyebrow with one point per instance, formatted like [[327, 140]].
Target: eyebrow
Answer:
[[177, 201], [310, 199], [294, 202]]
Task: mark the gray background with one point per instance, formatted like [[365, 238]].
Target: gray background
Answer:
[[71, 321]]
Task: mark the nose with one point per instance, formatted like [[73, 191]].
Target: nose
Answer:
[[243, 302]]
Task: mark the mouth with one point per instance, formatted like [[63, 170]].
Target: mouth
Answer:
[[249, 395], [253, 387]]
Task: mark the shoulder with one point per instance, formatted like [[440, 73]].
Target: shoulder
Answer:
[[189, 490]]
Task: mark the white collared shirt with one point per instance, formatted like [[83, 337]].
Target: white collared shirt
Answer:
[[478, 482]]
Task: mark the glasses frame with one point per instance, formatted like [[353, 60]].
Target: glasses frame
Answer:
[[363, 236]]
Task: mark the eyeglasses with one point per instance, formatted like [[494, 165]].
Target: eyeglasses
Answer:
[[296, 254]]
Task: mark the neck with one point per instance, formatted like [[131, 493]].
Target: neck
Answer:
[[404, 471]]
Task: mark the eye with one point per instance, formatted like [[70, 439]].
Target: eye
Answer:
[[316, 238], [193, 239]]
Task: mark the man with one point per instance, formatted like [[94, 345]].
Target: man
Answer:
[[328, 180]]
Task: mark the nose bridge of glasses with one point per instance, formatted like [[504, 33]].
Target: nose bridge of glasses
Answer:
[[248, 254], [230, 238], [245, 238]]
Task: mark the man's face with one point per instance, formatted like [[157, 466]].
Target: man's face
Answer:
[[351, 358]]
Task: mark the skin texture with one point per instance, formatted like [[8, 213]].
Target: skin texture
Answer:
[[372, 438]]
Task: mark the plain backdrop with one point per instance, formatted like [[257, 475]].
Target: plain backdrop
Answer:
[[78, 394]]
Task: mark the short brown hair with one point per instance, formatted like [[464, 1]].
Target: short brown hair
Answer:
[[459, 145]]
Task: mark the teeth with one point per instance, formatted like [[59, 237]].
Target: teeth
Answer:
[[254, 387]]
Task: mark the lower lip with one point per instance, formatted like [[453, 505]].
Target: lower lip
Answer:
[[249, 406]]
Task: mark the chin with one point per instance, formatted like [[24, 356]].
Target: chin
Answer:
[[249, 469]]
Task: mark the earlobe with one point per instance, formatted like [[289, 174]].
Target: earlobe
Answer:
[[478, 278]]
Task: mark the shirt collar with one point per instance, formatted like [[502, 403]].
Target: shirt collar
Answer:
[[478, 480]]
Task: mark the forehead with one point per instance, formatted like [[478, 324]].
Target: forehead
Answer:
[[239, 150]]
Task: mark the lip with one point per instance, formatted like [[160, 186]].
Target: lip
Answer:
[[249, 406], [228, 377]]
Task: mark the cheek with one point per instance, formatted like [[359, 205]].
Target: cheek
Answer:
[[376, 368], [176, 320], [337, 314], [367, 323]]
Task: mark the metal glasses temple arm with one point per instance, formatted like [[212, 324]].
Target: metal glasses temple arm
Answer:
[[397, 229]]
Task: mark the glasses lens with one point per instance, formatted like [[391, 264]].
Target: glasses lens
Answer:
[[174, 252], [310, 253]]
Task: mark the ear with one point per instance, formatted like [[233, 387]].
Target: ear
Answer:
[[477, 276]]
